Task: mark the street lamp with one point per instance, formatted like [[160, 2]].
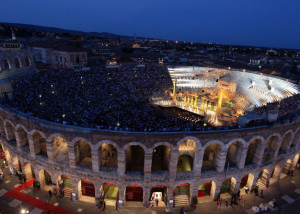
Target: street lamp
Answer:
[[24, 211]]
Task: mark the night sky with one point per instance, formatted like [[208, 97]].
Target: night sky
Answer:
[[271, 23]]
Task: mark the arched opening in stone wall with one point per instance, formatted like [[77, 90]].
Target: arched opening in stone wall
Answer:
[[7, 64], [188, 147], [60, 151], [185, 163], [27, 61], [210, 157], [263, 179], [29, 172], [110, 193], [286, 168], [295, 161], [135, 156], [296, 141], [86, 188], [252, 151], [39, 143], [64, 183], [270, 149], [234, 154], [275, 174], [182, 194], [134, 192], [227, 188], [10, 132], [45, 180], [83, 154], [246, 181], [160, 158], [108, 156], [285, 143], [206, 191], [158, 196], [24, 142], [18, 63], [187, 152]]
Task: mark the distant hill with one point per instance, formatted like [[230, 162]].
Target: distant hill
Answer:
[[61, 31]]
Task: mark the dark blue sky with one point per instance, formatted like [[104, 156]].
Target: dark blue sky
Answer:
[[274, 23]]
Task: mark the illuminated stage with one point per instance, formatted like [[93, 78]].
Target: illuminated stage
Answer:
[[222, 95]]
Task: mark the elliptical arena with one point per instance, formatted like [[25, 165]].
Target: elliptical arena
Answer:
[[126, 166]]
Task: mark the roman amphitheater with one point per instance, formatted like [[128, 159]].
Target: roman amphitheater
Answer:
[[128, 166]]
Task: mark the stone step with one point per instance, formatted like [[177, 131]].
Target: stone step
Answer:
[[110, 202]]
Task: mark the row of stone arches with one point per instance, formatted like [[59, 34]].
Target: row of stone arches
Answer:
[[188, 156], [181, 193], [17, 63]]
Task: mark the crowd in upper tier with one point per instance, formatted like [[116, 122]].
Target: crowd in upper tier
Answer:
[[285, 107], [99, 98]]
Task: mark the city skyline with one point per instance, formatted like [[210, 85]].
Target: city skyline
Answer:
[[238, 23]]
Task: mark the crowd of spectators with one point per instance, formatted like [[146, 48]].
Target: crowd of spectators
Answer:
[[284, 107], [117, 99]]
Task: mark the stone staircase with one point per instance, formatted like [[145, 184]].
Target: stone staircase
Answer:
[[111, 193], [68, 188], [260, 185], [182, 196]]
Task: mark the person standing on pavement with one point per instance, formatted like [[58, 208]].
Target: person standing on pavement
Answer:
[[226, 202], [50, 195], [104, 205]]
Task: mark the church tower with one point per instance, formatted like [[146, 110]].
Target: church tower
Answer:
[[13, 36]]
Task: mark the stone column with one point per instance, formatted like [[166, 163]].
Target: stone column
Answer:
[[195, 192], [49, 146], [221, 159], [76, 188], [242, 158], [72, 160], [250, 180], [198, 162], [237, 186], [121, 162], [97, 189], [122, 190], [8, 157], [253, 183], [95, 160], [170, 190], [217, 191], [173, 163], [279, 173], [148, 163], [18, 141], [259, 153], [146, 192], [34, 147]]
